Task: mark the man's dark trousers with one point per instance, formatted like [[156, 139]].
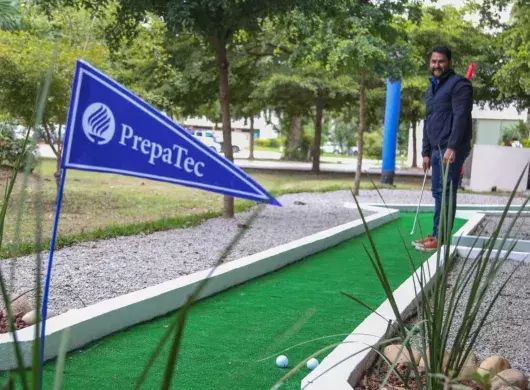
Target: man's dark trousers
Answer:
[[437, 178]]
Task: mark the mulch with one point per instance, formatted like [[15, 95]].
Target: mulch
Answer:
[[376, 375], [18, 321]]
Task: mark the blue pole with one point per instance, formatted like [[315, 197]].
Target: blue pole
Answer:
[[393, 98], [48, 274]]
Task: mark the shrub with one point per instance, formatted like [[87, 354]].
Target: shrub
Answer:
[[11, 147], [275, 142], [270, 143], [373, 144], [262, 142], [306, 144]]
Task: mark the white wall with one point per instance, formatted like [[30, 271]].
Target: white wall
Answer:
[[498, 166], [508, 113]]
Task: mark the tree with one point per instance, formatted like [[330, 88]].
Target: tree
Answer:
[[369, 42], [287, 95], [24, 60], [308, 85], [146, 67], [342, 132], [413, 107], [513, 77], [214, 21]]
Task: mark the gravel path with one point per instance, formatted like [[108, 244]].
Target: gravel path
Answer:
[[520, 230], [507, 332], [87, 273]]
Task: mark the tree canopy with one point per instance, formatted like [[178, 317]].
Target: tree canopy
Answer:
[[319, 65]]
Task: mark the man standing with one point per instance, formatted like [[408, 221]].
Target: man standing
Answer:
[[447, 134]]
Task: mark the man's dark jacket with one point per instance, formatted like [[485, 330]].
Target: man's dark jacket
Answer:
[[448, 120]]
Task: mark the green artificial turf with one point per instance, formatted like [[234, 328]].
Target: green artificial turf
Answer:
[[227, 335]]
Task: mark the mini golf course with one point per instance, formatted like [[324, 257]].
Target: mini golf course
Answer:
[[229, 334]]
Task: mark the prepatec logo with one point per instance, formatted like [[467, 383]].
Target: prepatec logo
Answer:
[[98, 123]]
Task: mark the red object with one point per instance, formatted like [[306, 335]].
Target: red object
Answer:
[[470, 71]]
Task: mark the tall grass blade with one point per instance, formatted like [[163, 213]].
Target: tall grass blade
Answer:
[[3, 287], [61, 358], [36, 347]]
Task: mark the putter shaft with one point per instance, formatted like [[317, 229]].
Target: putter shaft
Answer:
[[419, 203]]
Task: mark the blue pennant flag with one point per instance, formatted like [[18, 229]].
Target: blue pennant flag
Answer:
[[109, 129]]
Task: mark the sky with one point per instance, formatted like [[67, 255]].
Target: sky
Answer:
[[505, 15]]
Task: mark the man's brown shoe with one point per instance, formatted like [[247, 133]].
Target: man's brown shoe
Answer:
[[429, 245], [420, 242]]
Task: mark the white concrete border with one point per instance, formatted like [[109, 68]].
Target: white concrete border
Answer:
[[473, 253], [347, 362], [106, 317], [467, 239], [429, 207]]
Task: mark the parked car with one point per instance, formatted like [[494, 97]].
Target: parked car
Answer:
[[208, 139], [239, 141]]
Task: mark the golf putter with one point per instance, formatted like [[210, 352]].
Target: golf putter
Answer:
[[419, 203]]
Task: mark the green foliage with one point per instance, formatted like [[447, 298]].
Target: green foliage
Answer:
[[373, 144], [306, 144], [11, 148], [521, 131], [24, 69], [147, 66], [342, 134], [483, 380], [270, 143], [469, 43], [513, 77], [9, 14], [412, 99]]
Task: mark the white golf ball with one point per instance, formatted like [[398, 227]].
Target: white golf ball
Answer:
[[312, 363], [282, 361]]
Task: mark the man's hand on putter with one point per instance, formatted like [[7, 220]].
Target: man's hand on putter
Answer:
[[426, 163], [449, 156]]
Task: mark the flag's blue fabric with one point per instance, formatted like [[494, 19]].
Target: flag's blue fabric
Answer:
[[109, 129]]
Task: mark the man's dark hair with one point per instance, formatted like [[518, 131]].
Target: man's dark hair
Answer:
[[442, 50]]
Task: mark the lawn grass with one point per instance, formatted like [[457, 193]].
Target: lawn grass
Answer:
[[229, 334], [323, 154], [267, 149], [98, 205]]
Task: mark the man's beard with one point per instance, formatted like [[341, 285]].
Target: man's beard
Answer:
[[442, 72]]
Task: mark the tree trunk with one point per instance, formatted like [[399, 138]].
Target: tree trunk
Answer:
[[318, 132], [48, 135], [360, 140], [224, 99], [414, 140], [58, 162], [251, 146], [292, 147]]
